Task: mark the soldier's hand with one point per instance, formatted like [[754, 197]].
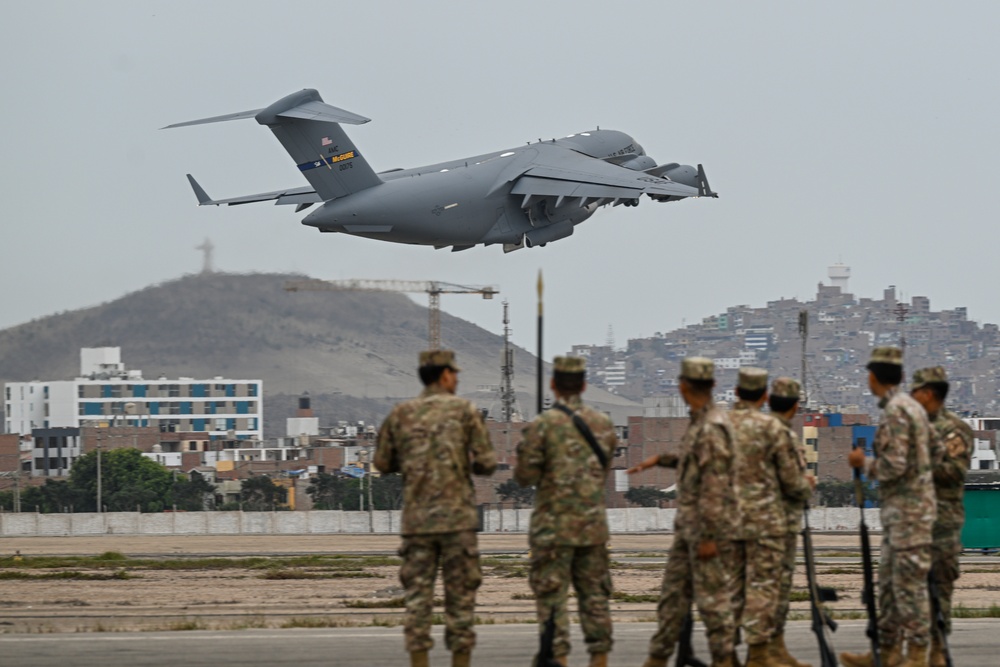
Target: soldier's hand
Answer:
[[812, 481], [856, 458], [707, 550], [648, 463]]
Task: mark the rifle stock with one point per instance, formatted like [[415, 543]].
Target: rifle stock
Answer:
[[546, 639], [938, 615], [685, 652], [868, 594], [818, 595]]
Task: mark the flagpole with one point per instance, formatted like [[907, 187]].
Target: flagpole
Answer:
[[541, 363]]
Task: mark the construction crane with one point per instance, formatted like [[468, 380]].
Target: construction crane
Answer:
[[432, 288]]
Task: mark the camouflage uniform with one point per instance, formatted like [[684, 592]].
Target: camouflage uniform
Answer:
[[437, 440], [951, 457], [793, 524], [908, 511], [707, 511], [767, 474], [569, 530]]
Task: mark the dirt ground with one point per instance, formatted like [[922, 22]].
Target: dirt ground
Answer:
[[239, 596]]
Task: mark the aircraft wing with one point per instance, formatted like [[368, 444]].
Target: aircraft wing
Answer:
[[581, 176], [302, 196]]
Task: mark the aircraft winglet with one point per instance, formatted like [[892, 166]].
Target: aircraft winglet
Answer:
[[199, 192], [704, 190]]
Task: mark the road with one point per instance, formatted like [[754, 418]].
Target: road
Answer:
[[499, 646]]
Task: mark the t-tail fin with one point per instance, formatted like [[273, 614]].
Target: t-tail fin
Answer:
[[310, 130]]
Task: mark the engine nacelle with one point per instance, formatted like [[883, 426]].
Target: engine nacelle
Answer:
[[639, 163], [544, 213], [684, 174], [553, 232]]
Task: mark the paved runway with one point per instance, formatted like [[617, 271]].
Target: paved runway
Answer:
[[974, 640]]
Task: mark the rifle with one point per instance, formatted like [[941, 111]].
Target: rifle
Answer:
[[818, 595], [685, 652], [548, 636], [938, 614], [868, 594]]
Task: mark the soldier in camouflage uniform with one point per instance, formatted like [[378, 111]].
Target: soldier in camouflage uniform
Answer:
[[569, 529], [437, 441], [767, 473], [908, 509], [704, 563], [951, 458], [783, 400]]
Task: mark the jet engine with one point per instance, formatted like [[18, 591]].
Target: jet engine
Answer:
[[684, 174], [639, 163], [563, 209], [554, 232]]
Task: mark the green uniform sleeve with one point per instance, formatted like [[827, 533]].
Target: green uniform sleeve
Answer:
[[714, 458], [956, 458], [894, 444], [530, 454], [791, 474], [481, 454], [386, 453]]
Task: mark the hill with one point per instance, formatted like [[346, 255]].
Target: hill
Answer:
[[354, 352]]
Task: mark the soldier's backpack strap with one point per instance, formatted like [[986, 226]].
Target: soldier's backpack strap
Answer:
[[585, 431]]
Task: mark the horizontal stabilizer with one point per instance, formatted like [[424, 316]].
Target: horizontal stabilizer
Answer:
[[216, 119], [325, 112], [304, 196]]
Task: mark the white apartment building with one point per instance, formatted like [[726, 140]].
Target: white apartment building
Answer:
[[106, 392]]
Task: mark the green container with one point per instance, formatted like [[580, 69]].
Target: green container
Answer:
[[982, 519]]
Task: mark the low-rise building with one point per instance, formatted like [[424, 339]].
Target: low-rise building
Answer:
[[107, 393]]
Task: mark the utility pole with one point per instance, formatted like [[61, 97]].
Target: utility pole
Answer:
[[432, 288], [901, 311], [99, 500], [804, 335]]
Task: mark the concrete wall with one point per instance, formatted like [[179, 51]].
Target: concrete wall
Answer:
[[320, 522]]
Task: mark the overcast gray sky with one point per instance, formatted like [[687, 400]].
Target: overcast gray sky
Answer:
[[855, 131]]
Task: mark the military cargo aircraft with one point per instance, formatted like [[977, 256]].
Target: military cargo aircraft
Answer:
[[520, 197]]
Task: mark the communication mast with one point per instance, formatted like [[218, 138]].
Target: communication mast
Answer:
[[901, 310], [508, 397], [804, 334]]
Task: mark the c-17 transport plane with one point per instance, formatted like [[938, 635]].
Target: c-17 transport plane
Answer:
[[525, 196]]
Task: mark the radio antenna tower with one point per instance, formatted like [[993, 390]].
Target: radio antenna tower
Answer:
[[508, 397], [804, 335]]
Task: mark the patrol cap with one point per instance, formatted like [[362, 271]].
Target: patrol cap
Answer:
[[752, 379], [445, 358], [569, 365], [785, 387], [926, 376], [886, 355], [697, 368]]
